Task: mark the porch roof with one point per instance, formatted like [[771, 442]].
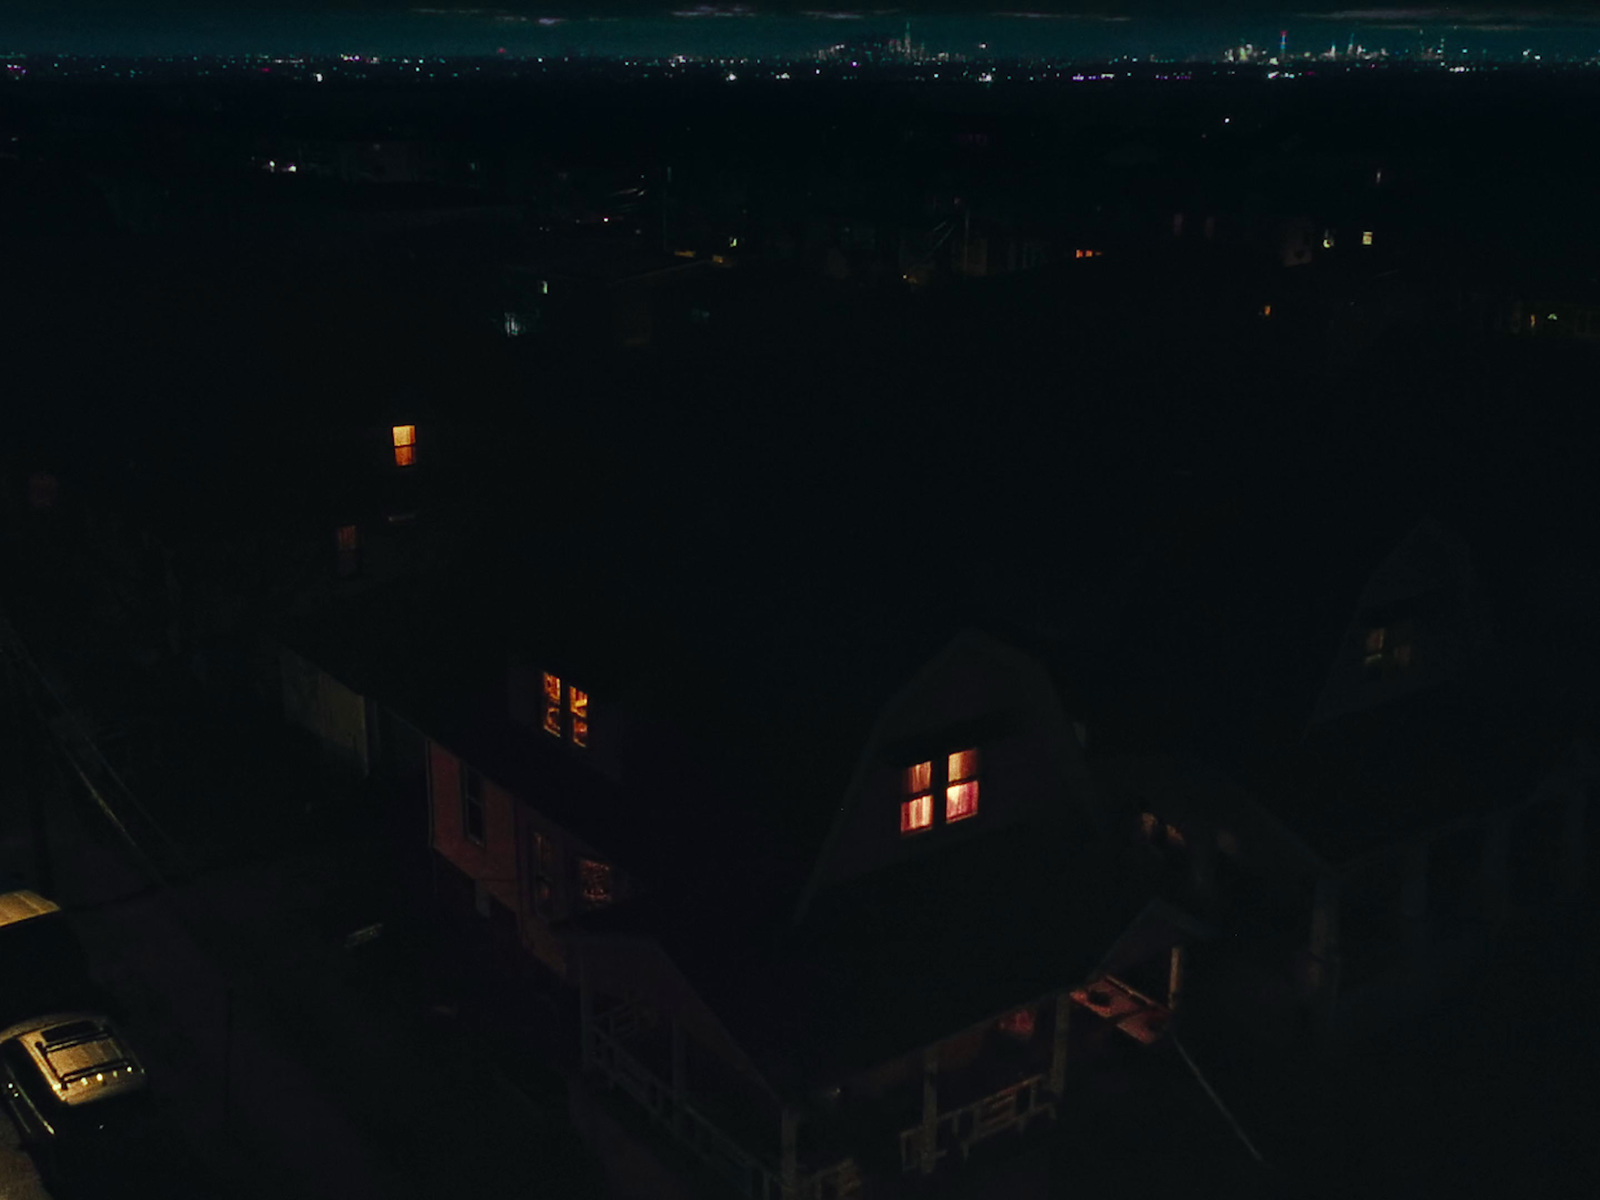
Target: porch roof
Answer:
[[895, 960]]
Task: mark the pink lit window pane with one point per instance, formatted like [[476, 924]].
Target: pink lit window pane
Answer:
[[916, 814], [963, 765], [961, 801], [919, 778]]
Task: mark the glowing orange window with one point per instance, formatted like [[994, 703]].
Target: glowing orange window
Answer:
[[552, 704], [916, 810], [405, 445], [578, 706], [961, 797]]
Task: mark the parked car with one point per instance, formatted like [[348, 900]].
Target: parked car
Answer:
[[74, 1088]]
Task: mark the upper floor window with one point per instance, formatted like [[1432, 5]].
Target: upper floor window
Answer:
[[916, 809], [596, 881], [565, 713], [1387, 649], [578, 710], [472, 814], [405, 445], [961, 796], [552, 704]]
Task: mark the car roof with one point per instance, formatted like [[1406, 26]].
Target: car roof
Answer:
[[82, 1056], [23, 905]]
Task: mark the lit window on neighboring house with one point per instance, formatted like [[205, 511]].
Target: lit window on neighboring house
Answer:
[[1327, 239], [1373, 658], [1266, 310], [472, 815], [578, 708], [595, 882], [1366, 237], [1388, 650], [916, 810], [405, 445], [961, 796], [552, 704], [513, 325]]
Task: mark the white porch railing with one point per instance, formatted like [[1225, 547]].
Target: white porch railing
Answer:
[[1010, 1107], [693, 1129]]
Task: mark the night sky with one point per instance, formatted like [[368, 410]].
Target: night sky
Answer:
[[627, 27]]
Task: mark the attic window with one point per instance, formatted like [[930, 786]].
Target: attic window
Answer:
[[961, 797], [916, 810], [552, 704], [405, 445]]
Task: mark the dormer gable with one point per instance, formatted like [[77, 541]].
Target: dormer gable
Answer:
[[1419, 621], [975, 742]]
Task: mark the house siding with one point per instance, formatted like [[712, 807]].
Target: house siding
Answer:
[[318, 703], [492, 864]]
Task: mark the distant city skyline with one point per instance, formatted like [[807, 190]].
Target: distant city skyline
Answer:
[[1144, 28]]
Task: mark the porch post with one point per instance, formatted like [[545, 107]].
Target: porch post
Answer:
[[1058, 1047], [1495, 884], [680, 1082], [1573, 847], [1175, 966], [789, 1162], [930, 1109]]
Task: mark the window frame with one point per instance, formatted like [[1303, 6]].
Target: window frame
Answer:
[[970, 780], [916, 790]]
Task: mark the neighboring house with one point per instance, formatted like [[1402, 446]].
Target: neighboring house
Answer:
[[1350, 870]]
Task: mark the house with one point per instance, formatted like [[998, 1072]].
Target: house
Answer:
[[876, 1009], [1351, 843]]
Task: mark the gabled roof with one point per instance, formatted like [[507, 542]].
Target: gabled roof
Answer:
[[1458, 751]]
